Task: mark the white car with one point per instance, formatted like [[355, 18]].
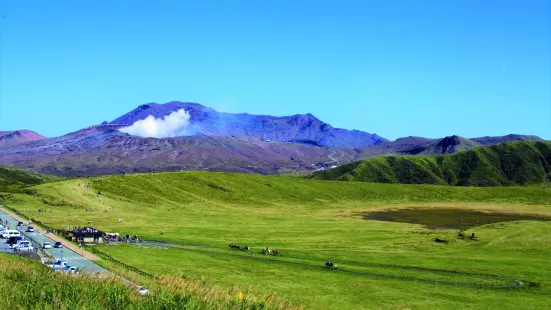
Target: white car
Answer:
[[142, 291], [23, 246], [46, 245]]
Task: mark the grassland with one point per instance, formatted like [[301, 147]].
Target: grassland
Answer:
[[513, 163], [26, 284], [388, 265]]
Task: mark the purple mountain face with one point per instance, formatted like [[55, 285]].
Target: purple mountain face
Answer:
[[103, 149], [12, 138], [299, 128]]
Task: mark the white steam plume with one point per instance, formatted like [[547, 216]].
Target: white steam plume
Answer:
[[172, 125]]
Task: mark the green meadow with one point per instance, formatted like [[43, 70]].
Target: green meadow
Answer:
[[382, 264]]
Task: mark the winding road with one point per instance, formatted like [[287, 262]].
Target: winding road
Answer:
[[333, 159]]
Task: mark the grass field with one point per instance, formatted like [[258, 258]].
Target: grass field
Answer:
[[382, 264]]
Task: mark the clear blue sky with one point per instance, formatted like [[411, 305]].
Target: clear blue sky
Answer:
[[395, 68]]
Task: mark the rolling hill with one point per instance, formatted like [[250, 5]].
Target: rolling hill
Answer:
[[513, 163], [10, 176]]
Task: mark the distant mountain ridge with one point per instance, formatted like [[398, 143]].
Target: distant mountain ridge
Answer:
[[11, 138], [299, 128], [425, 146]]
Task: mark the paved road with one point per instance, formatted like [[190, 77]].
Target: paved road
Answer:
[[70, 256], [5, 248]]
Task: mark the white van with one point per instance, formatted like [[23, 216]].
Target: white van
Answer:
[[10, 233]]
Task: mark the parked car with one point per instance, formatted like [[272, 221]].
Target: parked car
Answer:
[[30, 229], [14, 240], [58, 244], [59, 265], [46, 245], [23, 246], [143, 291]]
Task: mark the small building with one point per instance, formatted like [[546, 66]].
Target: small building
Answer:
[[88, 235]]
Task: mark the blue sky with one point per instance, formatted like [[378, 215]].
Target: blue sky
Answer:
[[395, 68]]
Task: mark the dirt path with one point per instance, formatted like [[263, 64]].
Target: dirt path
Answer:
[[54, 237], [333, 159]]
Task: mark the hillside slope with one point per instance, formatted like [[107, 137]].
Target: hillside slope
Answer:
[[513, 163], [299, 128], [10, 176]]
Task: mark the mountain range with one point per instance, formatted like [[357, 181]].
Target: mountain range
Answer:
[[215, 141], [299, 128]]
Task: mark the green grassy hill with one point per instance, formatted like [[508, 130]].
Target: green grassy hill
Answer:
[[383, 265], [514, 163], [12, 179]]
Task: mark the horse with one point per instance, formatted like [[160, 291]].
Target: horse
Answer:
[[276, 252], [244, 248], [266, 251], [330, 265], [234, 246]]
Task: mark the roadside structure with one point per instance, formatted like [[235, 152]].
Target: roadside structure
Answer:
[[88, 235]]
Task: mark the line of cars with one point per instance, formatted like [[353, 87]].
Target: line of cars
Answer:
[[15, 240], [18, 242]]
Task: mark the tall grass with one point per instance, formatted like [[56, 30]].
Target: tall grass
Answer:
[[26, 284]]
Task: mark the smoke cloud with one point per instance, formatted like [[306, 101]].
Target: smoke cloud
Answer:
[[173, 125]]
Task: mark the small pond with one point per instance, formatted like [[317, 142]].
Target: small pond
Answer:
[[448, 218]]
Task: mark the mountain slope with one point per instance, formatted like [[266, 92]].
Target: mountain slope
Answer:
[[14, 178], [513, 163], [11, 138], [104, 150], [299, 128]]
